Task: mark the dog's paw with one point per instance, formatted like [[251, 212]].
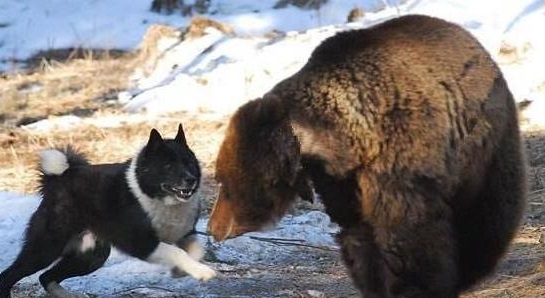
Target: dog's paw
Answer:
[[201, 272]]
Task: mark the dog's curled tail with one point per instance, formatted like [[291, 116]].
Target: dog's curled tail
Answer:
[[56, 161]]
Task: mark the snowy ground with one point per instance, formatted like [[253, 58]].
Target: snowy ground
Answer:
[[237, 68]]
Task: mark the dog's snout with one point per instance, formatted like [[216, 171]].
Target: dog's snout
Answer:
[[190, 182]]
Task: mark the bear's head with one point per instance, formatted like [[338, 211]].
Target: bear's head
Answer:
[[258, 168]]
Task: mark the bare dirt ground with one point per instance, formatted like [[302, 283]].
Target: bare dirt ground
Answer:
[[308, 272]]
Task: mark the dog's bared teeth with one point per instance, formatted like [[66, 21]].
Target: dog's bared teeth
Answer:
[[184, 195]]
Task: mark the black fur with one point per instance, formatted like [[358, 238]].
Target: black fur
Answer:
[[97, 199]]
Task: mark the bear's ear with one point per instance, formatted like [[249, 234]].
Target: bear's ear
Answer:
[[259, 113], [180, 136], [267, 110]]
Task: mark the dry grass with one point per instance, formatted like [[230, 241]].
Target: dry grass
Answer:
[[77, 86]]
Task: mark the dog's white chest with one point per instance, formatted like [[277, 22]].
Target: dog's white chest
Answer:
[[171, 222]]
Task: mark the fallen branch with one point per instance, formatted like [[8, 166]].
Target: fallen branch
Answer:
[[143, 288], [291, 242], [284, 242], [276, 239]]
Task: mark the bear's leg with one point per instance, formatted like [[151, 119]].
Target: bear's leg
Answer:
[[410, 230], [191, 245], [419, 259], [486, 229], [362, 259], [397, 270]]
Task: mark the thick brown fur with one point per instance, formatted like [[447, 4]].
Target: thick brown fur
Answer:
[[409, 133]]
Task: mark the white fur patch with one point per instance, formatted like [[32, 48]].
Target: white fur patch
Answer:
[[195, 250], [132, 180], [171, 255], [88, 241], [53, 162]]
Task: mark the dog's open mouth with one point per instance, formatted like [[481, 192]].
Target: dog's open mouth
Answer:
[[181, 193]]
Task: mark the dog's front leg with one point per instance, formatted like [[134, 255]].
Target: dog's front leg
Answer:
[[172, 255], [193, 248], [138, 239], [191, 245]]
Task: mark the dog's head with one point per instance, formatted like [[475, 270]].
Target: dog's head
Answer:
[[259, 169], [165, 169]]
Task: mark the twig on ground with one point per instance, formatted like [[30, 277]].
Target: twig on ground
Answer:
[[537, 191], [143, 288], [266, 239], [284, 242], [291, 242]]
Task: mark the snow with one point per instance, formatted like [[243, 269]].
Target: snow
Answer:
[[237, 69], [33, 25], [217, 73], [314, 228], [122, 272]]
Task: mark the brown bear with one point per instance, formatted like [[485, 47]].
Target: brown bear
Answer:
[[409, 134]]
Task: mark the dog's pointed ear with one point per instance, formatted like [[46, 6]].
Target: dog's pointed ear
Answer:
[[154, 137], [155, 140], [180, 136]]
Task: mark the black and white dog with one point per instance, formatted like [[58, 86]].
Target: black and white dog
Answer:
[[143, 207]]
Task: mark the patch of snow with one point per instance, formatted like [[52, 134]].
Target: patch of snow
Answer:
[[237, 69], [218, 73], [525, 76], [232, 72], [14, 214], [181, 60], [312, 228], [60, 122], [29, 26], [68, 122], [535, 113]]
